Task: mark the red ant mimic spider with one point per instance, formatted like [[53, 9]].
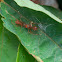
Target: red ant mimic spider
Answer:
[[26, 25]]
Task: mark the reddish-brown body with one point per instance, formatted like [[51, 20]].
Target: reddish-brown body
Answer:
[[19, 23], [26, 25], [35, 1]]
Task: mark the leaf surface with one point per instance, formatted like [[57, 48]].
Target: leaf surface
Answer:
[[10, 48], [31, 5]]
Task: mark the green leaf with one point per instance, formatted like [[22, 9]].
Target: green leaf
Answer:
[[31, 5], [47, 45], [23, 56], [9, 50], [8, 45]]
